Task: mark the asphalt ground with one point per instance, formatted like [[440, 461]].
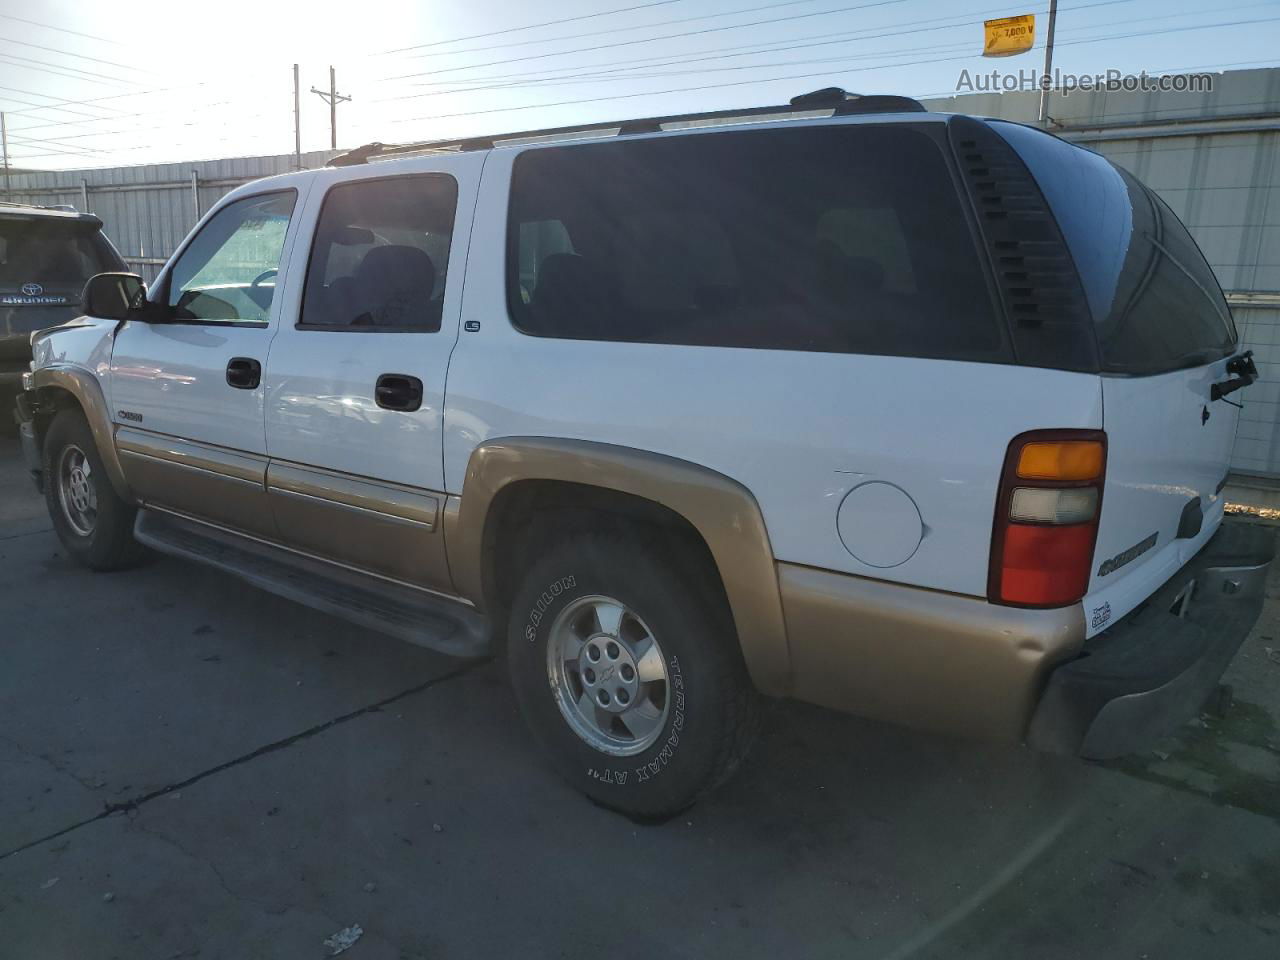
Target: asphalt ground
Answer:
[[190, 768]]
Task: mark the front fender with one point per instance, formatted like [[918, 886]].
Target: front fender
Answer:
[[84, 387], [722, 511]]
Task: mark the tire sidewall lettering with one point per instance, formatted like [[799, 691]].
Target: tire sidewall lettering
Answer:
[[545, 599], [666, 753]]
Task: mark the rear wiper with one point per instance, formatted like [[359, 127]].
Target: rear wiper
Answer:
[[1245, 372]]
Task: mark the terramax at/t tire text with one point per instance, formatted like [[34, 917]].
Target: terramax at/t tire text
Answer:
[[626, 667]]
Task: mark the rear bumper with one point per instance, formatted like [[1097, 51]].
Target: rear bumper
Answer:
[[921, 658], [1151, 671]]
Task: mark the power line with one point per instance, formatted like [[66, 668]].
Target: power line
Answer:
[[203, 141], [33, 93], [802, 76], [78, 56], [608, 74], [597, 33], [136, 129], [113, 96], [49, 26], [747, 50], [133, 130], [534, 26], [60, 70], [627, 43]]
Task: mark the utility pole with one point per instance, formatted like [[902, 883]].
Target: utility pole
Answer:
[[333, 98], [1047, 78], [4, 146], [297, 128]]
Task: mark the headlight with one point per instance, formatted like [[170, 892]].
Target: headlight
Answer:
[[28, 381]]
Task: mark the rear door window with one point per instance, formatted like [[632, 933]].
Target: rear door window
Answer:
[[845, 239], [380, 255]]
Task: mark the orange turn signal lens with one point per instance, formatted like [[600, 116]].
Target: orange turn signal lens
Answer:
[[1063, 460]]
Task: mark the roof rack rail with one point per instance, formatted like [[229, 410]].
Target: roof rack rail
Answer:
[[838, 101]]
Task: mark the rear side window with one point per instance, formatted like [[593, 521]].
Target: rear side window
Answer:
[[380, 255], [49, 252], [845, 239], [1155, 302]]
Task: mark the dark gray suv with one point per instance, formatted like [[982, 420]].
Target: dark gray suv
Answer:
[[46, 255]]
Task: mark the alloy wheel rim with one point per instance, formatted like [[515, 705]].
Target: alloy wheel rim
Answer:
[[608, 675], [76, 492]]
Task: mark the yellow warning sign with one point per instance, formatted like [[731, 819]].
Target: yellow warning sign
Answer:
[[1009, 35]]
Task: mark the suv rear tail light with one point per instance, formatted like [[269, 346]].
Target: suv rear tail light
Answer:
[[1047, 518]]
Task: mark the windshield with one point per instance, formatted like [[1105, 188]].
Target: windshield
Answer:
[[51, 252]]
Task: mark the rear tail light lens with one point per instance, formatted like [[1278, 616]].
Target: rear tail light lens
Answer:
[[1046, 519], [1037, 505], [1061, 460]]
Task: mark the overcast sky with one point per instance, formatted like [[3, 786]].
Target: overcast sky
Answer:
[[103, 84]]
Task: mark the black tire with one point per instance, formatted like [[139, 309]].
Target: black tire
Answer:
[[109, 545], [714, 709]]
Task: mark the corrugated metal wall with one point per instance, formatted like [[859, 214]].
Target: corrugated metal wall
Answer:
[[147, 210], [1215, 159]]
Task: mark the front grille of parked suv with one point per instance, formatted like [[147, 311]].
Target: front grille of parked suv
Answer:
[[1039, 286]]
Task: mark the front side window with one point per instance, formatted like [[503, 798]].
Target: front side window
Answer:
[[228, 272], [380, 255], [844, 239]]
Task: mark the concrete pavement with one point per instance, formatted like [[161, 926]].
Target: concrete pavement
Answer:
[[189, 768]]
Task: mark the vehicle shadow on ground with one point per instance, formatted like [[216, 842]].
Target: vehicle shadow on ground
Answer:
[[838, 838]]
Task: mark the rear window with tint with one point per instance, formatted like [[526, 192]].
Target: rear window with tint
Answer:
[[846, 239], [1155, 301], [1168, 311], [52, 253]]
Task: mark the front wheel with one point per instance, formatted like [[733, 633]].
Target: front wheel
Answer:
[[626, 667], [94, 524]]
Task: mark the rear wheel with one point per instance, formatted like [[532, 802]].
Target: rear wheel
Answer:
[[626, 667], [92, 521]]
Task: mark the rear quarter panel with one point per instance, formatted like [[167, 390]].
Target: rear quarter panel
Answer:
[[799, 430]]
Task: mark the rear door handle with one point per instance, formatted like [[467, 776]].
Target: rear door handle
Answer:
[[244, 373], [398, 391]]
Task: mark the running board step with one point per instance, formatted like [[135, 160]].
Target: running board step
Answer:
[[422, 618]]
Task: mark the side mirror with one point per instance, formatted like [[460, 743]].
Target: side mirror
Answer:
[[114, 296]]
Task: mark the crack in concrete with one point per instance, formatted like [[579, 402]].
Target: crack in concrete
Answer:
[[267, 908], [87, 782], [29, 533], [126, 806], [213, 868]]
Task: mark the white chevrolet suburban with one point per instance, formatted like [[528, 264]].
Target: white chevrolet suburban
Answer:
[[919, 416]]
